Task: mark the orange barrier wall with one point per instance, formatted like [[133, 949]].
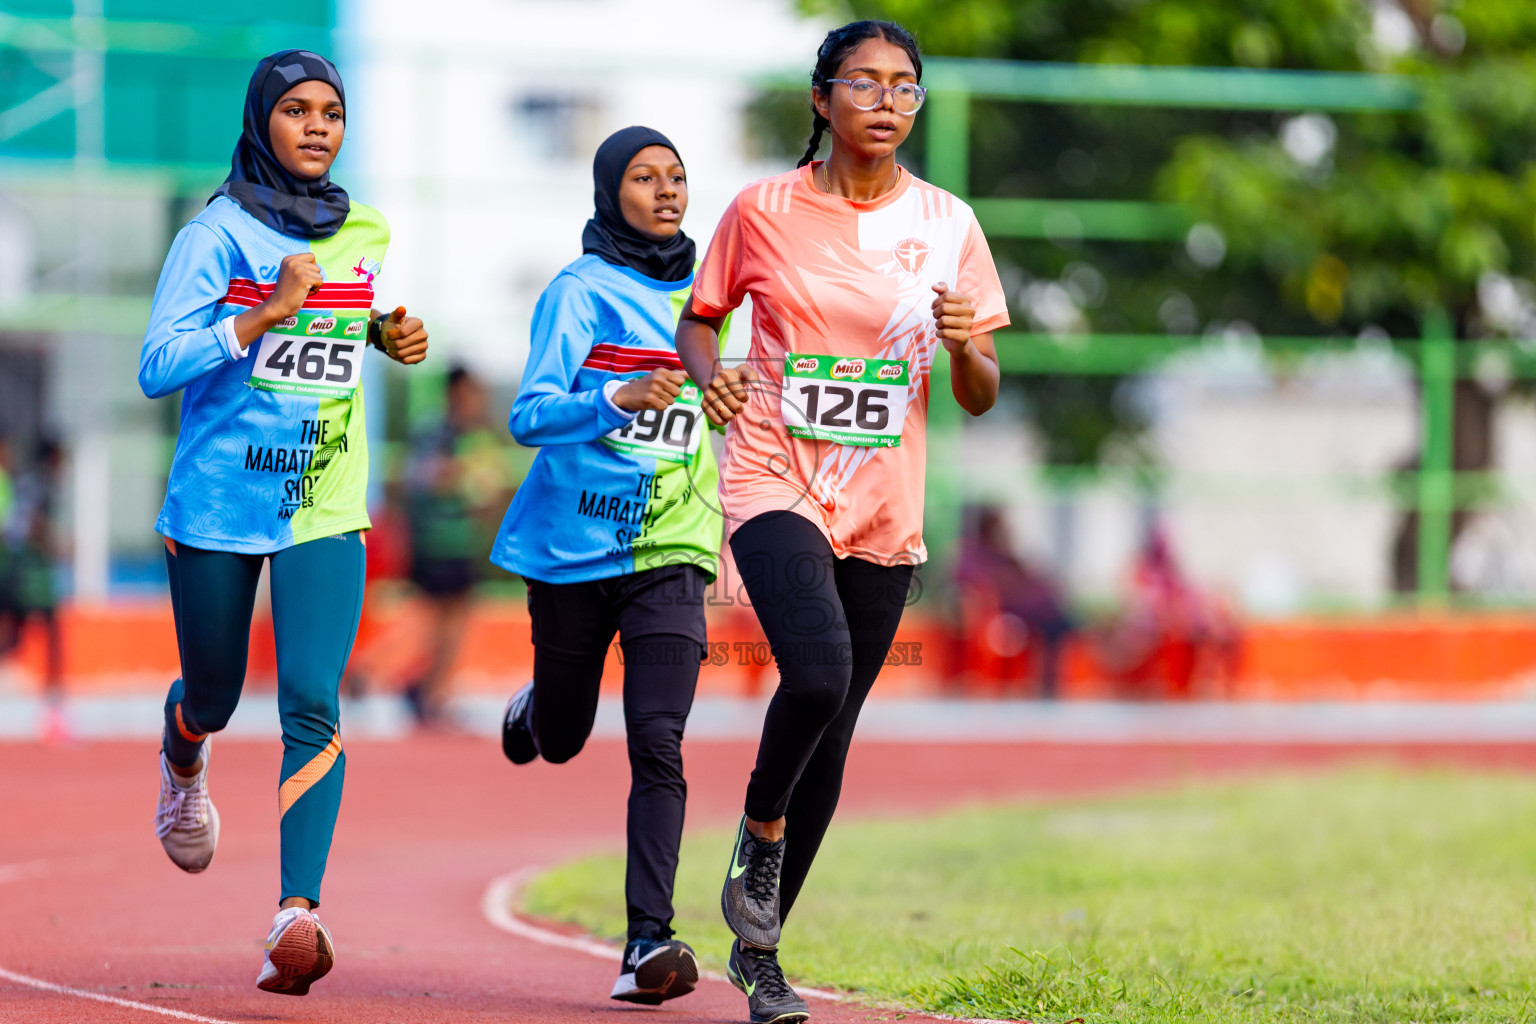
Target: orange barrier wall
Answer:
[[132, 648]]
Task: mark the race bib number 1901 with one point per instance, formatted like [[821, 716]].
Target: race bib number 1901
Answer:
[[312, 355], [845, 401]]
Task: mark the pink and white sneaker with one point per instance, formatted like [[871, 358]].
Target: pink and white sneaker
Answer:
[[185, 819], [299, 953]]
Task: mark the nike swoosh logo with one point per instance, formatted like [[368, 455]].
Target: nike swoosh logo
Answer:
[[737, 868], [751, 988]]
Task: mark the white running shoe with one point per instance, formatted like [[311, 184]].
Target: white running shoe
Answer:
[[186, 820], [299, 953]]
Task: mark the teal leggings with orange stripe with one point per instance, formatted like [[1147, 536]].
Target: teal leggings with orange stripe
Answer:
[[317, 599]]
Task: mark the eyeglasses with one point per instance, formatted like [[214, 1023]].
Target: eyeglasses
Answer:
[[867, 94]]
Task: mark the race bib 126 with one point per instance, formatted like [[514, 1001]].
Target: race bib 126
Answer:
[[671, 434], [847, 401], [319, 355]]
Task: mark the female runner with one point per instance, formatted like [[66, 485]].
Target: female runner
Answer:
[[261, 316], [849, 263], [609, 528]]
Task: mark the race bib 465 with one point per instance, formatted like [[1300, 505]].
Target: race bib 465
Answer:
[[312, 354]]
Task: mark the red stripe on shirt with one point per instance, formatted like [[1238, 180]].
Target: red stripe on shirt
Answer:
[[624, 359], [244, 284], [245, 292]]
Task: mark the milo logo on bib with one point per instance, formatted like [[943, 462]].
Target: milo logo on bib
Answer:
[[355, 328], [322, 325], [842, 400]]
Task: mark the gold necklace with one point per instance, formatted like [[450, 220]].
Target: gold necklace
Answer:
[[827, 177]]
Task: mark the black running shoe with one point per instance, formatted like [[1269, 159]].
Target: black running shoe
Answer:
[[770, 1000], [416, 700], [517, 740], [655, 970], [750, 899]]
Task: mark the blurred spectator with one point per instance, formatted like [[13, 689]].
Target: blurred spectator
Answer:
[[458, 484], [1009, 610], [1169, 633], [5, 479], [28, 550], [387, 563]]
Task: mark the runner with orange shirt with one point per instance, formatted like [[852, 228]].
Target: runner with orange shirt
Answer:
[[858, 273]]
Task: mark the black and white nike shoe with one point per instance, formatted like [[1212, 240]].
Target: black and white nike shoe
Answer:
[[750, 898], [770, 1000], [517, 740], [655, 970]]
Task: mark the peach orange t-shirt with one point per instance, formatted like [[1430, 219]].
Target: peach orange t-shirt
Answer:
[[830, 277]]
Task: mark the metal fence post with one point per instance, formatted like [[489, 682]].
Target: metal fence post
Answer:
[[947, 159], [1437, 477], [947, 155]]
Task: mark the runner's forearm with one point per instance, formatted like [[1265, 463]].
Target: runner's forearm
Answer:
[[698, 346], [253, 323], [974, 377]]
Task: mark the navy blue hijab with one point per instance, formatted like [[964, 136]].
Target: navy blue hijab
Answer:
[[612, 237], [293, 206]]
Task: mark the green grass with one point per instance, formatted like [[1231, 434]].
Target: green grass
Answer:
[[1357, 896]]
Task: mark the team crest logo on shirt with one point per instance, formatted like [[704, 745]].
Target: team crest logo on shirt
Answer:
[[366, 268], [911, 254]]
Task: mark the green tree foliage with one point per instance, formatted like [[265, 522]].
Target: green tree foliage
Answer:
[[1381, 214], [1404, 211], [1254, 33], [1322, 224]]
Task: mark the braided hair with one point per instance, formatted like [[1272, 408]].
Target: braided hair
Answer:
[[841, 42]]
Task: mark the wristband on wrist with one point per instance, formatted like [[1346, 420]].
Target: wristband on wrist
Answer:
[[377, 337]]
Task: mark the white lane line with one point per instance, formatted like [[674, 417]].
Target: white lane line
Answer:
[[48, 986], [501, 896], [24, 870]]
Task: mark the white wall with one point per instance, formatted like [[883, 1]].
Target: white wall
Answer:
[[1276, 488]]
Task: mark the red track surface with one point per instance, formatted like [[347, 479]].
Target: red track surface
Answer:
[[89, 901]]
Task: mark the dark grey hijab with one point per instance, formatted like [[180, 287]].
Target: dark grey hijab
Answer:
[[609, 235], [298, 207]]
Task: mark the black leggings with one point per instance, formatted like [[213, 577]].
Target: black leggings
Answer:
[[830, 623], [659, 617]]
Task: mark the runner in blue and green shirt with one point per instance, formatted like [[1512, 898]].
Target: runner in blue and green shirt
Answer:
[[261, 319], [615, 527]]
